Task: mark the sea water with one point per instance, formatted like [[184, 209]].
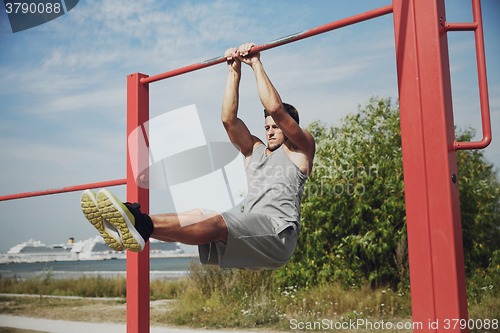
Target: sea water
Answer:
[[159, 268]]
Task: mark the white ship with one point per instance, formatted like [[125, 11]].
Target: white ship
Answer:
[[90, 249]]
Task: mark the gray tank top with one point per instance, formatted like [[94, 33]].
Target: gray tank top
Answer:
[[275, 185]]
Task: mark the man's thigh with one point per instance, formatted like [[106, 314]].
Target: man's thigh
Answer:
[[255, 241]]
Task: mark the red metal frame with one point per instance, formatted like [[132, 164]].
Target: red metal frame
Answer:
[[477, 27], [429, 158], [137, 263]]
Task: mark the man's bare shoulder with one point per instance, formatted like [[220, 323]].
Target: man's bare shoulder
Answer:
[[309, 136], [256, 142], [301, 157], [309, 150]]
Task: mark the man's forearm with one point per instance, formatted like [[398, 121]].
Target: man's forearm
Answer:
[[268, 95], [231, 97]]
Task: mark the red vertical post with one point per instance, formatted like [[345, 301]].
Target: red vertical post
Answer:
[[137, 155], [437, 274]]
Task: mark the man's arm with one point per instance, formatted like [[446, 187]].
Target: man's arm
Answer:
[[272, 103], [236, 129]]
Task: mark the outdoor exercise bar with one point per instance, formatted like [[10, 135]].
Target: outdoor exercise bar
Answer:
[[64, 189], [137, 115], [278, 42]]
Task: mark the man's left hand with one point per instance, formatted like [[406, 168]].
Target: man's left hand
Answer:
[[243, 51]]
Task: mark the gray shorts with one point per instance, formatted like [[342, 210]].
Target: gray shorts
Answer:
[[254, 242]]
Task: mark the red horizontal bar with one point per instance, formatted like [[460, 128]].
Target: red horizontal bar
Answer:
[[281, 41], [64, 189], [485, 142], [460, 26]]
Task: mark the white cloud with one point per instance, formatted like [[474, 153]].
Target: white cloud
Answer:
[[105, 100]]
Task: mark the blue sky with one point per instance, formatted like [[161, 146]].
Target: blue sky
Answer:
[[63, 86]]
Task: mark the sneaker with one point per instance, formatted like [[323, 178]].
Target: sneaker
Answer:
[[88, 202], [134, 226]]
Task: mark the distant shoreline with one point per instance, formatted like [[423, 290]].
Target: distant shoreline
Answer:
[[152, 255], [172, 267], [35, 251]]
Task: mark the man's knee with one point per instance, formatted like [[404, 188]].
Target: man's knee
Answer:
[[222, 226], [196, 211]]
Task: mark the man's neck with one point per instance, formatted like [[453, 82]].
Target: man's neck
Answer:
[[269, 151]]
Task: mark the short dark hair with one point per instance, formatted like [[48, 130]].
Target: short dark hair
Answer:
[[290, 109]]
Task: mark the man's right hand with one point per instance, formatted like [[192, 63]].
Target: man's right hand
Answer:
[[233, 63]]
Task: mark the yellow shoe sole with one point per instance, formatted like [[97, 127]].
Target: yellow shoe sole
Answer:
[[115, 212], [88, 203]]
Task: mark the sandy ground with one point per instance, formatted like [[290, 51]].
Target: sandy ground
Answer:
[[32, 325], [95, 315]]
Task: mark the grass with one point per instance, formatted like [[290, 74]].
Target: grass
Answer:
[[214, 298], [43, 284]]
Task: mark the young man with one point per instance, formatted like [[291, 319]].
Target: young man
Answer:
[[264, 236]]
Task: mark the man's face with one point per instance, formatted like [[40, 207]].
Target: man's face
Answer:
[[274, 135]]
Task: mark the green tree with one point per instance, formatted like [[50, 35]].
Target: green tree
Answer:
[[353, 208], [479, 205]]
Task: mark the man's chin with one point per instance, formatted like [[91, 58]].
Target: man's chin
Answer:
[[273, 146]]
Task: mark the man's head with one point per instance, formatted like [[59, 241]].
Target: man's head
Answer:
[[290, 109], [274, 135]]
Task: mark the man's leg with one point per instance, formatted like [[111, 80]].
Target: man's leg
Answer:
[[192, 228], [135, 228], [164, 238]]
